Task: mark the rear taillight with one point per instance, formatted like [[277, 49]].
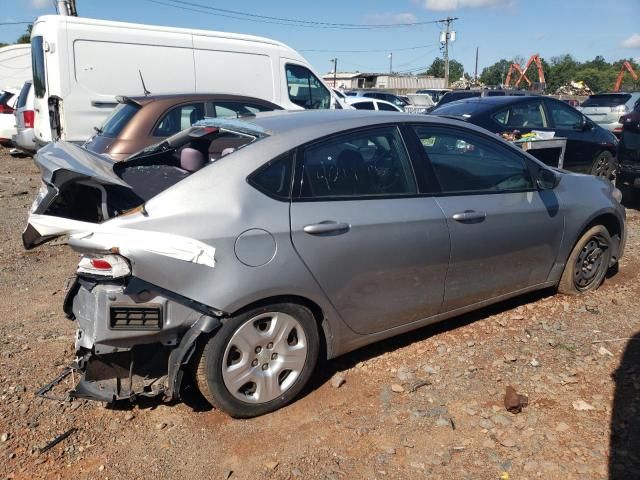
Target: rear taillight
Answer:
[[5, 109], [104, 266], [620, 109], [28, 117]]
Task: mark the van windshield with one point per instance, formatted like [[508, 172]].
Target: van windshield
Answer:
[[118, 119], [37, 67]]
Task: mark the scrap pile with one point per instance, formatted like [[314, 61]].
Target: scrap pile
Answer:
[[574, 88], [465, 83]]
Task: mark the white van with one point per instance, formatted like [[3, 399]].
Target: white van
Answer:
[[81, 64], [15, 66]]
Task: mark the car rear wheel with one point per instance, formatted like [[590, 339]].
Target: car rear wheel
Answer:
[[604, 166], [259, 360], [588, 263]]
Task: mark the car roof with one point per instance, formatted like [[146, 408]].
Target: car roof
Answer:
[[186, 97]]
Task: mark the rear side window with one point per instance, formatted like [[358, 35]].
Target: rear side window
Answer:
[[238, 109], [364, 106], [388, 108], [179, 118], [5, 97], [466, 163], [119, 118], [274, 178], [609, 100], [368, 163], [37, 67], [522, 115], [305, 90], [24, 94]]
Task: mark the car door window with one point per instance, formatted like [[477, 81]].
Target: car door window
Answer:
[[368, 163], [387, 107], [564, 116], [364, 106], [179, 118], [305, 90], [467, 163], [237, 109], [522, 115]]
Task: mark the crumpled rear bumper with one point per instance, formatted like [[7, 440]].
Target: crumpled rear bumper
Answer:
[[120, 356]]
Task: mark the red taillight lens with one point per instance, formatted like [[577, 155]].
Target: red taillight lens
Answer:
[[6, 109], [28, 116], [100, 264]]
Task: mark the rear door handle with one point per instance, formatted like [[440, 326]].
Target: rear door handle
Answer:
[[327, 226], [469, 216]]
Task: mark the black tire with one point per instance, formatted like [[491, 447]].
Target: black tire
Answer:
[[586, 268], [209, 364], [605, 166]]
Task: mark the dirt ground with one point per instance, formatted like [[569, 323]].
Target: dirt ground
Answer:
[[428, 404]]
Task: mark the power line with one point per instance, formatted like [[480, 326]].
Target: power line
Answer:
[[365, 51], [16, 23], [200, 8]]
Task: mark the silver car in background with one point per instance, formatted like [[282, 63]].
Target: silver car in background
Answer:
[[25, 139], [241, 252], [605, 109]]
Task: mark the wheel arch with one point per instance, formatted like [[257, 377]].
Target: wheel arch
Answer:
[[614, 226]]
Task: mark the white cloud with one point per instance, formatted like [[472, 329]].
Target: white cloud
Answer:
[[40, 3], [386, 18], [632, 42], [443, 5]]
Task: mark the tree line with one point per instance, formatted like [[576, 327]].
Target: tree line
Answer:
[[24, 38]]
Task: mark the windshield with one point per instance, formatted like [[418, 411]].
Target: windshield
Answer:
[[609, 100], [453, 96], [459, 109], [118, 119]]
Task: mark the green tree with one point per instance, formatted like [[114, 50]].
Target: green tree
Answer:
[[456, 69], [495, 74], [26, 36]]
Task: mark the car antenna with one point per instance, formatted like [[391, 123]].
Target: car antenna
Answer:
[[144, 87]]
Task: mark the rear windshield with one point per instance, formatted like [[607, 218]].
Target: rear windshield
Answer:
[[24, 94], [460, 109], [118, 119], [37, 67], [5, 97], [453, 96], [609, 100]]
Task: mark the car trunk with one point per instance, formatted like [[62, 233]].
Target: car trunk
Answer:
[[81, 188], [605, 108]]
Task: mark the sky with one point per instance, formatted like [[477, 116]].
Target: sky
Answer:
[[498, 28]]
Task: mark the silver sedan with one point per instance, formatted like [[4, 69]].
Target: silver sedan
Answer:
[[240, 252]]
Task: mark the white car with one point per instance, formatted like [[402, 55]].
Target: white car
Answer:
[[8, 100], [24, 134], [365, 103]]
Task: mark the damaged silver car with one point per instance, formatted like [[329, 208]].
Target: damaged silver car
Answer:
[[240, 252]]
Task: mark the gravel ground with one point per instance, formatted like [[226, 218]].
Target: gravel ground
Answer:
[[428, 404]]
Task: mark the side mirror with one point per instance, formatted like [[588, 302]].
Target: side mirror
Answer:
[[546, 180], [583, 125]]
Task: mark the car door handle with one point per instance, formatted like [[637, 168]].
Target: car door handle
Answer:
[[327, 226], [469, 216]]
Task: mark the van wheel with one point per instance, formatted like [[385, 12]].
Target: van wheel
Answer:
[[588, 263], [604, 166], [258, 361]]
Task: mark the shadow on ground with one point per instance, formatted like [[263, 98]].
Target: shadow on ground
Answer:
[[624, 457]]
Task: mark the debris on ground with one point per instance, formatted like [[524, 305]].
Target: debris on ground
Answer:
[[513, 401]]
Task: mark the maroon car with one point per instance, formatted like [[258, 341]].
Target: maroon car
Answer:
[[138, 122]]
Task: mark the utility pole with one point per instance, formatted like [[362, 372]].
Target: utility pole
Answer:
[[475, 73], [335, 71], [390, 63], [445, 37]]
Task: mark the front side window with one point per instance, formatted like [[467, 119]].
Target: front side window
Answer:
[[563, 116], [305, 90], [179, 118], [368, 163], [467, 163], [522, 115], [238, 109], [37, 66]]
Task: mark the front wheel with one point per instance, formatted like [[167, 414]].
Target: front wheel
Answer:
[[260, 360], [588, 263], [604, 166]]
